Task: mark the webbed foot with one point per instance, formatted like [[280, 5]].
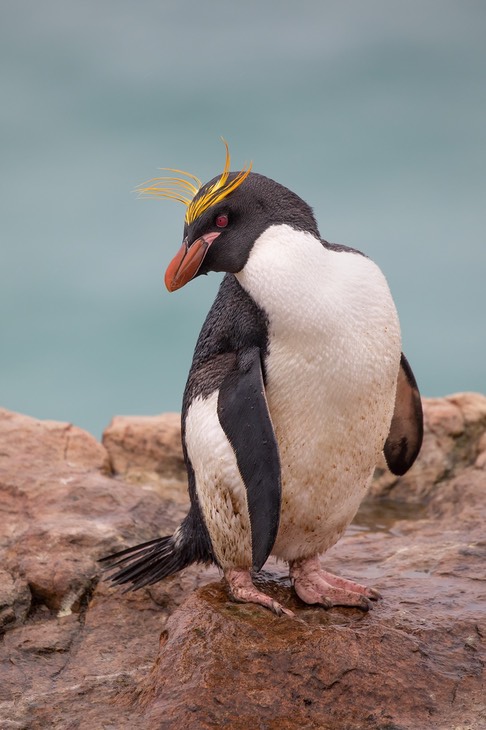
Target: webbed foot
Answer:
[[315, 585], [243, 590]]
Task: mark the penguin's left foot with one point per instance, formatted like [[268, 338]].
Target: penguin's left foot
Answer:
[[315, 585], [243, 590]]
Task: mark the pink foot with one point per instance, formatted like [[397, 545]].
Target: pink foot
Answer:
[[242, 589], [315, 585]]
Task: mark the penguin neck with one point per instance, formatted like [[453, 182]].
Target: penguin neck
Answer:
[[305, 287], [289, 274]]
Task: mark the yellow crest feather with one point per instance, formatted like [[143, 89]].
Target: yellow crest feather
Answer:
[[185, 189]]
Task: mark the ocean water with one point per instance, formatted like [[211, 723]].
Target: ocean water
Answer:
[[375, 113]]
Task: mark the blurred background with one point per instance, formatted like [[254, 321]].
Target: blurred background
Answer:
[[374, 112]]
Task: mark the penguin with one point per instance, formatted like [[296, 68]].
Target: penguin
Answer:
[[297, 385]]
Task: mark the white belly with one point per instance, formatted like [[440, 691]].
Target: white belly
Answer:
[[331, 376]]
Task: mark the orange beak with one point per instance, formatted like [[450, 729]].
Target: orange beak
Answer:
[[187, 261]]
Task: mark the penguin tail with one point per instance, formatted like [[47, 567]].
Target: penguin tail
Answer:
[[150, 561]]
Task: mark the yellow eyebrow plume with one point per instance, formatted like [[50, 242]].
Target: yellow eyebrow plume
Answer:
[[185, 189]]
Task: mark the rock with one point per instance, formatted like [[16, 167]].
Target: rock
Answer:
[[146, 447], [25, 441], [77, 652], [68, 636], [15, 599], [222, 665], [454, 438]]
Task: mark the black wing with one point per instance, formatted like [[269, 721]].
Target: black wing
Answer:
[[244, 417], [228, 357], [407, 427]]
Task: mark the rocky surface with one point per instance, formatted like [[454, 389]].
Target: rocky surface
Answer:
[[77, 653], [146, 448]]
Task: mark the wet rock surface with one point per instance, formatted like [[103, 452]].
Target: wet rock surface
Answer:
[[77, 653]]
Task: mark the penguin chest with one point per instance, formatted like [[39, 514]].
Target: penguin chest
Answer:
[[331, 372]]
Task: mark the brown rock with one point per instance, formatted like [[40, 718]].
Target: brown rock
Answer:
[[70, 641], [77, 652], [139, 446], [454, 437], [15, 600], [27, 441], [223, 665]]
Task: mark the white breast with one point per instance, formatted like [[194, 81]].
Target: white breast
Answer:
[[332, 365]]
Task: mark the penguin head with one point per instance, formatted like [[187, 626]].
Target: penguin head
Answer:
[[225, 217]]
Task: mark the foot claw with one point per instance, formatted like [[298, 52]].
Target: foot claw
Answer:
[[364, 604], [280, 610], [325, 602], [373, 594]]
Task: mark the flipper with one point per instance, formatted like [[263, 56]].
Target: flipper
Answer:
[[244, 417], [407, 427]]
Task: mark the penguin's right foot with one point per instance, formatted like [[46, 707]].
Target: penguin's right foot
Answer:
[[243, 590]]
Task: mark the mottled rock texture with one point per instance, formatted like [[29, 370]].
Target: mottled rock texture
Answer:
[[77, 653]]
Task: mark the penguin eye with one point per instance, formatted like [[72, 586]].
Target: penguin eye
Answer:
[[221, 220]]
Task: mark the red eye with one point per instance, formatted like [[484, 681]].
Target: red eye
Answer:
[[221, 221]]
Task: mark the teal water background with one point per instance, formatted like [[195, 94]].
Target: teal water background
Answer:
[[374, 112]]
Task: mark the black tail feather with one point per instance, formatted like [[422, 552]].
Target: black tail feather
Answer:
[[109, 558], [149, 562]]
